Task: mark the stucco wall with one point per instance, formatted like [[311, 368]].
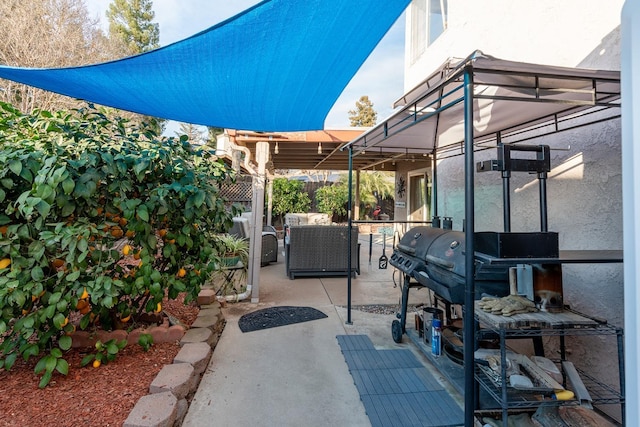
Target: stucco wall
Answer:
[[538, 31]]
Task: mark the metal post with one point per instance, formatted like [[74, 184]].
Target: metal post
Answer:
[[506, 200], [349, 220], [506, 188], [434, 185], [542, 179], [469, 298]]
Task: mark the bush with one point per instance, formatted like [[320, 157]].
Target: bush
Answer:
[[333, 199], [97, 216], [288, 197]]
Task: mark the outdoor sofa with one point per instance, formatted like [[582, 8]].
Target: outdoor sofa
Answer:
[[320, 250]]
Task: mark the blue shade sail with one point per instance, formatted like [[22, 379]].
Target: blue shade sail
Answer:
[[278, 66]]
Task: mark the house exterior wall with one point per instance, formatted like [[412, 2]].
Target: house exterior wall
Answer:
[[538, 31], [585, 186]]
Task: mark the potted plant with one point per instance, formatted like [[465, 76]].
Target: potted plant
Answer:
[[232, 250]]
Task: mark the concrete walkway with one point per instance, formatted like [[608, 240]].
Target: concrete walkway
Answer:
[[296, 375]]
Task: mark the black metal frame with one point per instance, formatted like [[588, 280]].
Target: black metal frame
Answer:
[[464, 75]]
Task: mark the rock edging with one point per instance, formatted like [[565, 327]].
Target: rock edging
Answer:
[[167, 403]]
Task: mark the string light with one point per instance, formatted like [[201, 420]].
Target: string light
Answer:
[[276, 150], [319, 148]]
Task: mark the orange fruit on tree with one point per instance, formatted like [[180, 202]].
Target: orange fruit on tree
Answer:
[[82, 304], [126, 250], [4, 229], [85, 309], [125, 319], [117, 232], [85, 294], [122, 222], [4, 263], [96, 363], [182, 272], [162, 232], [130, 233], [66, 321], [136, 255], [57, 263], [158, 308]]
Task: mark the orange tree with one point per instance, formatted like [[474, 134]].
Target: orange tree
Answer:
[[97, 216]]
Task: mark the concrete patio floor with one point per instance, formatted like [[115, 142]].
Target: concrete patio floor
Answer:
[[296, 375]]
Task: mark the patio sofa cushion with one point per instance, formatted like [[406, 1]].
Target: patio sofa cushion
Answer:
[[320, 250], [310, 218]]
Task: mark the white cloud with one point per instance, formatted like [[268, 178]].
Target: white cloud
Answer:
[[380, 77]]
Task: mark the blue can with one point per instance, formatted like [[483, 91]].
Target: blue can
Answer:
[[436, 337]]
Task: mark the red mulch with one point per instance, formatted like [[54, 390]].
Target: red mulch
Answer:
[[87, 396]]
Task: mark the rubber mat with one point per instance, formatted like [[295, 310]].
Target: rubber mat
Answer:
[[396, 388], [278, 316]]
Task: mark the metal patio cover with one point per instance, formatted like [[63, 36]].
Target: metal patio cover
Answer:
[[507, 97], [278, 66]]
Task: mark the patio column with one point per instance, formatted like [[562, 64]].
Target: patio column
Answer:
[[270, 200], [257, 211], [630, 61]]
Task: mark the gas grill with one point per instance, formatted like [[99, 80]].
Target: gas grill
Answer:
[[434, 258]]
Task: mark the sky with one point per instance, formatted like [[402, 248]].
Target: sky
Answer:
[[380, 77]]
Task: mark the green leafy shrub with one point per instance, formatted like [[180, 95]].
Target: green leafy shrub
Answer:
[[98, 216], [332, 199], [289, 196], [145, 341], [105, 353]]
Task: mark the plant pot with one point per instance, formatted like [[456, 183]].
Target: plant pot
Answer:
[[230, 261]]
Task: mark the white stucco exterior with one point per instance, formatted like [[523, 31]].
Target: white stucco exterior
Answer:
[[585, 185], [574, 33]]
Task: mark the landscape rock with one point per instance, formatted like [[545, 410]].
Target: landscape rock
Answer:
[[178, 378], [199, 335], [196, 354], [206, 296], [154, 410]]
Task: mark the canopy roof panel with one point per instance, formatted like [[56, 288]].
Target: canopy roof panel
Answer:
[[279, 66], [508, 97]]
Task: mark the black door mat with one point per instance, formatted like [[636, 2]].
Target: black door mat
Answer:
[[396, 388], [278, 316]]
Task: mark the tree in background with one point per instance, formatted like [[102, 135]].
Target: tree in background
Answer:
[[132, 32], [289, 196], [54, 33], [193, 132], [130, 22], [212, 136], [332, 199], [364, 114], [375, 186]]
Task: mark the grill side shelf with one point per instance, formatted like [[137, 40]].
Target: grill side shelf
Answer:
[[561, 325]]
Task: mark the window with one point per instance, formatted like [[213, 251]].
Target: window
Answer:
[[437, 19], [428, 22]]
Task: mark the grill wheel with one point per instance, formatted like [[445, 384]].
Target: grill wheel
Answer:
[[396, 331]]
